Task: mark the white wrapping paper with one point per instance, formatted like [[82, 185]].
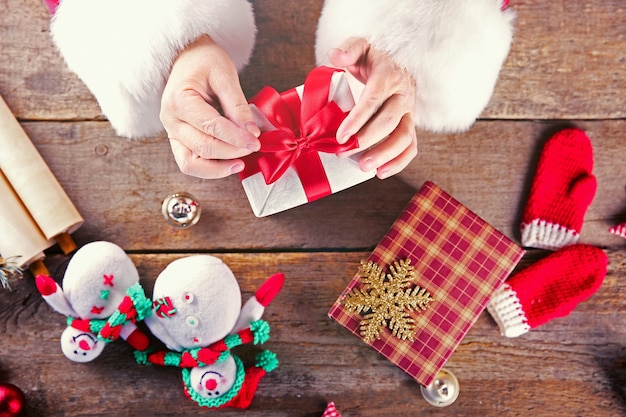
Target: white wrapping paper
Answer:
[[287, 192]]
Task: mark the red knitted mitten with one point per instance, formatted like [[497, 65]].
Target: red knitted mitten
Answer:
[[562, 190], [548, 289]]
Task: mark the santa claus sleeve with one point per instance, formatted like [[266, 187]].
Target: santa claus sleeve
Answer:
[[453, 48], [123, 50]]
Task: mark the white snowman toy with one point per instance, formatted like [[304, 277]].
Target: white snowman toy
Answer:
[[102, 298], [197, 313]]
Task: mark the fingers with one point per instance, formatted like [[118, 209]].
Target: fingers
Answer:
[[190, 163], [385, 121], [207, 120], [394, 153], [188, 107], [236, 109], [388, 95], [354, 56], [205, 142], [382, 118], [349, 53]]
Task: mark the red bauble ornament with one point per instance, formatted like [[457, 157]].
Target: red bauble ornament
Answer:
[[11, 401]]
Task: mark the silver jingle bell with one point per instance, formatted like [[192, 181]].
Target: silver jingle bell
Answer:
[[443, 391], [181, 210]]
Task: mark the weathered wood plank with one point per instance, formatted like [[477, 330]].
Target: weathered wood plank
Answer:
[[567, 61], [570, 366], [119, 185]]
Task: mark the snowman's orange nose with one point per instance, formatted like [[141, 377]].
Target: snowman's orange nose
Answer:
[[211, 384]]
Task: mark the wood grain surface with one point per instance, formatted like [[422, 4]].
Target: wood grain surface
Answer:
[[567, 67]]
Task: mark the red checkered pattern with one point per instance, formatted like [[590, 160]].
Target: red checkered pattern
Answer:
[[458, 257]]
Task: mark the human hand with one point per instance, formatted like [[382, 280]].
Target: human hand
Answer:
[[383, 116], [205, 142]]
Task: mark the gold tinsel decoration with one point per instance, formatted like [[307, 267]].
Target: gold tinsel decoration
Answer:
[[8, 269], [385, 300]]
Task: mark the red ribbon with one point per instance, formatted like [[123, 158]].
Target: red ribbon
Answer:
[[303, 128]]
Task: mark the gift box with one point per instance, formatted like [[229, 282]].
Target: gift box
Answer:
[[439, 264], [297, 162]]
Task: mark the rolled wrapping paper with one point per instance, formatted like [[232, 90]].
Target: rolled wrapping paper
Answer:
[[19, 235], [34, 183]]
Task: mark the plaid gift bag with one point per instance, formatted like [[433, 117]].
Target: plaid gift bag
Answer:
[[457, 257]]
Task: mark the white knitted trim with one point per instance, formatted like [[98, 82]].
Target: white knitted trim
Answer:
[[545, 235], [507, 311]]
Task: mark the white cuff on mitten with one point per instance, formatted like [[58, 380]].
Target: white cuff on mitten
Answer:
[[507, 311], [543, 234], [123, 50], [453, 49]]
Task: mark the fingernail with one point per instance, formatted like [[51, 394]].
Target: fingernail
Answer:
[[343, 138], [253, 128], [368, 164], [236, 167], [383, 173], [253, 146], [340, 50]]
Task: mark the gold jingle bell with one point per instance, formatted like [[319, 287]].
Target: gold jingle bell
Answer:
[[443, 391]]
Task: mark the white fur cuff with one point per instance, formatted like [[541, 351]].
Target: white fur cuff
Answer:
[[123, 50], [453, 48]]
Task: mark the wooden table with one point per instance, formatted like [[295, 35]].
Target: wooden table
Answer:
[[567, 67]]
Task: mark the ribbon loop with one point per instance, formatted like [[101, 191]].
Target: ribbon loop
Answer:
[[303, 127]]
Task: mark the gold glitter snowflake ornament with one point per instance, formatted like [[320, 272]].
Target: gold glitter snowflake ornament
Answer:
[[386, 300]]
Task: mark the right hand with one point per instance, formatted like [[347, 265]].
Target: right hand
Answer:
[[205, 142]]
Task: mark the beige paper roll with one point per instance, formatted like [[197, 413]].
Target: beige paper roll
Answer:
[[34, 183], [19, 235]]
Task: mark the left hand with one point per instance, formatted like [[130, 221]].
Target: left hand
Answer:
[[382, 118]]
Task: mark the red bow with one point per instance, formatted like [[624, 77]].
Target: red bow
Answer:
[[303, 128]]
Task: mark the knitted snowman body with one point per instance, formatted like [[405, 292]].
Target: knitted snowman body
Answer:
[[100, 283], [197, 314]]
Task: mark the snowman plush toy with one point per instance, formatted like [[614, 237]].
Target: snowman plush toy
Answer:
[[102, 298], [197, 313]]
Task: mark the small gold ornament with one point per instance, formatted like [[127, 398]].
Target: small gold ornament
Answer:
[[385, 300]]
